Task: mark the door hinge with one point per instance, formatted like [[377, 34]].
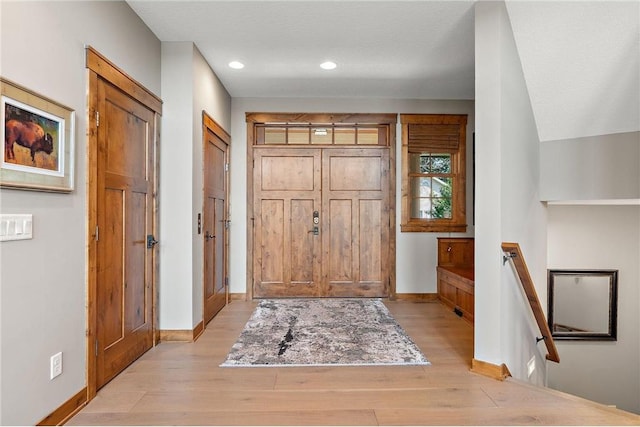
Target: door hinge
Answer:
[[96, 347], [97, 235], [226, 281], [226, 167], [97, 118]]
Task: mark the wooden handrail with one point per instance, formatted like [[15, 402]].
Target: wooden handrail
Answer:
[[515, 255]]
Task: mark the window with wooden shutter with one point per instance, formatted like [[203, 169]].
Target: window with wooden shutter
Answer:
[[433, 172]]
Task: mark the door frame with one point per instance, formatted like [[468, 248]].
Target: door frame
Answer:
[[99, 67], [210, 125], [253, 119]]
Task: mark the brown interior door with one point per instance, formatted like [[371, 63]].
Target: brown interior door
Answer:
[[321, 222], [125, 180], [355, 198], [214, 224], [287, 250]]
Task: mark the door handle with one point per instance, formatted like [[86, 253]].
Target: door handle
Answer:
[[208, 236], [151, 241], [315, 231]]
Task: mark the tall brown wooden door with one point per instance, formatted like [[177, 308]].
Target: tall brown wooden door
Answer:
[[355, 238], [122, 136], [321, 222], [287, 250], [215, 223], [125, 185]]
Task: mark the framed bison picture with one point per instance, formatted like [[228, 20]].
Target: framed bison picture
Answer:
[[38, 136]]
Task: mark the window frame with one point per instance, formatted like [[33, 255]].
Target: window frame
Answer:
[[458, 220]]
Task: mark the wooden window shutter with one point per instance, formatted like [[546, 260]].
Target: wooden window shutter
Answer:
[[433, 138]]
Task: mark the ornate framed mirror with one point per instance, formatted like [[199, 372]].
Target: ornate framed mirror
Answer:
[[583, 304]]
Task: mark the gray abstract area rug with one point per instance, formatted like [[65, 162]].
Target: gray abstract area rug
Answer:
[[323, 332]]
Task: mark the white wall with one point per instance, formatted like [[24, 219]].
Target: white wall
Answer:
[[416, 254], [176, 192], [600, 237], [604, 167], [43, 280], [209, 95], [189, 87], [507, 200]]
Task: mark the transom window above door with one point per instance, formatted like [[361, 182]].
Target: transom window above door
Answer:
[[321, 129]]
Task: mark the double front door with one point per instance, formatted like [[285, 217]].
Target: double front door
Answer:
[[321, 222]]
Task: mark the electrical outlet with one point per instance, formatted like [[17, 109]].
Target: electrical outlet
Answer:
[[56, 365], [531, 366]]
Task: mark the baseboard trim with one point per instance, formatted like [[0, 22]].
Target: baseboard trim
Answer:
[[237, 297], [67, 410], [425, 297], [497, 372], [198, 330], [182, 335]]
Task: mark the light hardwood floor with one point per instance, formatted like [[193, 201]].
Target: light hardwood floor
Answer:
[[181, 384]]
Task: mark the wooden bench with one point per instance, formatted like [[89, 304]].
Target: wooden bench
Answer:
[[456, 274]]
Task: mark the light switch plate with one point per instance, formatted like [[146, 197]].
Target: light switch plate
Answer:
[[16, 227]]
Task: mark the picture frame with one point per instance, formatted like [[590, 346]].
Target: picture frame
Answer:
[[38, 135], [583, 304]]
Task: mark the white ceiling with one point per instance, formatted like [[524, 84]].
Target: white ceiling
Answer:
[[581, 59], [393, 49]]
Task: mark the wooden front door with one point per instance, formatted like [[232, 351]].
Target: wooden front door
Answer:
[[321, 222], [215, 224], [125, 178], [287, 250]]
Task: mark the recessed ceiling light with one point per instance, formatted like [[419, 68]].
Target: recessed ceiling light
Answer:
[[236, 65], [329, 65]]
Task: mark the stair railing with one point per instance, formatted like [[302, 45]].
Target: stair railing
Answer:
[[512, 252]]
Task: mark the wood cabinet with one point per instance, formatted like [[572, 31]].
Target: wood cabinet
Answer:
[[456, 274]]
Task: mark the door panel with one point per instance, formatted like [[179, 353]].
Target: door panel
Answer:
[[349, 172], [214, 224], [348, 253], [356, 224], [286, 250], [272, 238], [370, 239], [124, 216], [339, 250], [302, 243]]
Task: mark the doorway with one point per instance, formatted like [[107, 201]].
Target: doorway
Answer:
[[215, 224], [122, 173], [321, 215]]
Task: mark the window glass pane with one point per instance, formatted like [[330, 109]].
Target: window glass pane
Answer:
[[443, 195], [298, 135], [440, 163], [420, 187], [275, 136], [421, 208], [419, 162], [442, 208], [368, 136], [345, 136], [430, 163], [321, 135]]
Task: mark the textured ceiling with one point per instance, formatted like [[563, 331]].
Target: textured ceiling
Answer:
[[395, 49]]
